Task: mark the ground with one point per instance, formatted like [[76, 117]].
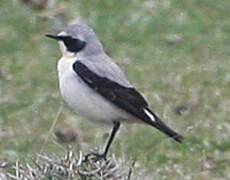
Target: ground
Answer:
[[175, 52]]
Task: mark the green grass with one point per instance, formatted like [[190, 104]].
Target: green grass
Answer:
[[192, 71]]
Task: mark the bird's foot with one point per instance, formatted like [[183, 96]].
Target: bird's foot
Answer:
[[95, 157]]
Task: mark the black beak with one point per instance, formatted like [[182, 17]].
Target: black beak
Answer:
[[53, 37]]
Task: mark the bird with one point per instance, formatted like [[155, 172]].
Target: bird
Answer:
[[95, 87]]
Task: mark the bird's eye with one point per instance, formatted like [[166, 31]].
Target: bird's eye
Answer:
[[72, 44]]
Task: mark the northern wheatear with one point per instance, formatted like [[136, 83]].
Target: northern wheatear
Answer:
[[96, 88]]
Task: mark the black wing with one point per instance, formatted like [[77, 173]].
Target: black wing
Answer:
[[124, 97]]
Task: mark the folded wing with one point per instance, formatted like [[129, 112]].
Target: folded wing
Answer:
[[126, 98]]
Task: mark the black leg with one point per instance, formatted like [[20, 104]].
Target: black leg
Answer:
[[114, 131], [99, 156]]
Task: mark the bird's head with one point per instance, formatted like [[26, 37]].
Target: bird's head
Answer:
[[78, 38]]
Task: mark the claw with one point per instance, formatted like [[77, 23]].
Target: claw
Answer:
[[94, 156]]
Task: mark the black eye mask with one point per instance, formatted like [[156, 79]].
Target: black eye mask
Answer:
[[72, 44]]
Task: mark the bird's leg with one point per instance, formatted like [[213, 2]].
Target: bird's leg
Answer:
[[114, 131]]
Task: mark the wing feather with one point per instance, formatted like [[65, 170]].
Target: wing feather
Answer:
[[126, 98]]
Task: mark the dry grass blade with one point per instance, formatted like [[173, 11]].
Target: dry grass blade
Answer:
[[68, 166]]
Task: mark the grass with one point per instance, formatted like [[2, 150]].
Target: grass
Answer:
[[68, 166], [176, 53]]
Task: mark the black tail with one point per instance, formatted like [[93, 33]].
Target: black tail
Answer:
[[160, 125]]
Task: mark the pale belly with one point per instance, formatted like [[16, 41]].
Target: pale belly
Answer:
[[87, 103]]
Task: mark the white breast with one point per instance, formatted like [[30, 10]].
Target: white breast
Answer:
[[83, 99]]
